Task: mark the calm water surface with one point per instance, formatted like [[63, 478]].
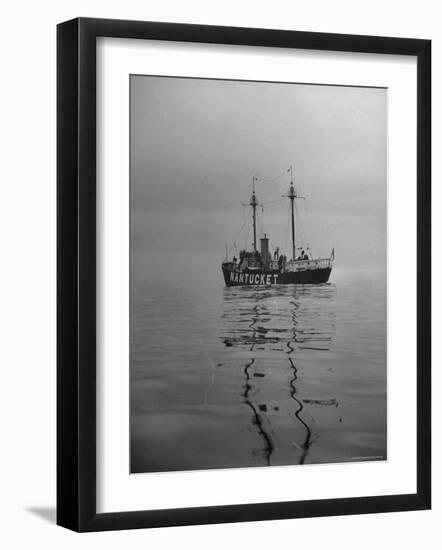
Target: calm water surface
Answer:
[[236, 377]]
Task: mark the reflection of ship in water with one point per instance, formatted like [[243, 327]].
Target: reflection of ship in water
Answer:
[[277, 331]]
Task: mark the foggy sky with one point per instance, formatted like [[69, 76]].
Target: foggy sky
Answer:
[[195, 145]]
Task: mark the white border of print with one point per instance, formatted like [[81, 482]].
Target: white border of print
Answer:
[[116, 489]]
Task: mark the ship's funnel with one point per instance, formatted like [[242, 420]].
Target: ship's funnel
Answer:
[[265, 255]]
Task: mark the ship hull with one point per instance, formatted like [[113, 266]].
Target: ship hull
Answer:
[[234, 277]]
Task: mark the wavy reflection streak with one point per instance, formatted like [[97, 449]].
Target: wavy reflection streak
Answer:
[[267, 322]]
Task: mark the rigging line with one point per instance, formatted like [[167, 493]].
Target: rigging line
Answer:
[[260, 220], [278, 190], [270, 180], [246, 242], [304, 234], [298, 219], [308, 213], [240, 231]]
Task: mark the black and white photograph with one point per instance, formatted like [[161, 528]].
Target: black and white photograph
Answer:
[[221, 247], [258, 269]]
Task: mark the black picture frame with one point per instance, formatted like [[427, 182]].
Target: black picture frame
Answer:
[[77, 287]]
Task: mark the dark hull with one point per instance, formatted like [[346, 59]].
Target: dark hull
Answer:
[[268, 278]]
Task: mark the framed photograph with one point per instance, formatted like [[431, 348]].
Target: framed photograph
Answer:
[[243, 274]]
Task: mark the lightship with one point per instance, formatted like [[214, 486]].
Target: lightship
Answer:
[[263, 268]]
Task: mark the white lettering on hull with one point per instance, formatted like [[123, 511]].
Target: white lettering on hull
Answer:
[[260, 279]]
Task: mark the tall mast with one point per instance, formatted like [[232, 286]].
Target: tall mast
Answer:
[[254, 203], [292, 195]]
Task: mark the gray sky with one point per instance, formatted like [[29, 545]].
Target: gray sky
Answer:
[[195, 145]]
